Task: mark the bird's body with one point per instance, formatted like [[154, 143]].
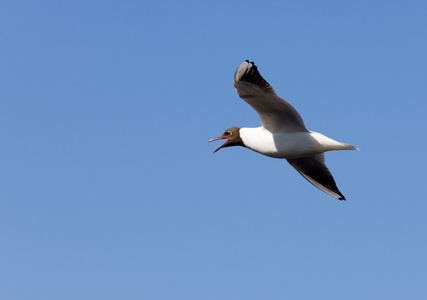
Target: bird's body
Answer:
[[283, 133], [288, 144]]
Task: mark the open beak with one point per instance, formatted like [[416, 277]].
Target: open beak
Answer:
[[219, 138]]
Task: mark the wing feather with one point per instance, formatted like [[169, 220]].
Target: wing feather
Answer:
[[275, 113], [313, 169]]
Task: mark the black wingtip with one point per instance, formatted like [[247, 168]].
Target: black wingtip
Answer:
[[251, 62], [252, 75]]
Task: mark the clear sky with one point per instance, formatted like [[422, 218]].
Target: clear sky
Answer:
[[109, 189]]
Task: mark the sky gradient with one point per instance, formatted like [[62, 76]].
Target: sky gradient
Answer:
[[109, 189]]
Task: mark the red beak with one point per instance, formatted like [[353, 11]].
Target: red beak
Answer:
[[216, 139]]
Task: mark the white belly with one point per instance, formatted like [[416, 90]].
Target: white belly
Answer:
[[281, 145]]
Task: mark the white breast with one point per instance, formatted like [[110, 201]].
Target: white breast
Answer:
[[280, 145]]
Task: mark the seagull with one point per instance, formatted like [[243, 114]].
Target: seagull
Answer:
[[283, 133]]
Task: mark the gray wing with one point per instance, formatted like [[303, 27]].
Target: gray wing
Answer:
[[275, 113], [313, 169]]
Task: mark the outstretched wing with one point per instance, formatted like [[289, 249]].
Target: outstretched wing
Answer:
[[275, 113], [313, 169]]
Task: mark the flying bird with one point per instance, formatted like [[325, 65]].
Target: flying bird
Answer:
[[283, 133]]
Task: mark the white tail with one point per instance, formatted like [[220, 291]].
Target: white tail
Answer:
[[330, 144]]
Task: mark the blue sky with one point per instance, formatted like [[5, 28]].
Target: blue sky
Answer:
[[109, 189]]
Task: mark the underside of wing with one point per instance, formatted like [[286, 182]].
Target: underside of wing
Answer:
[[313, 169], [275, 113]]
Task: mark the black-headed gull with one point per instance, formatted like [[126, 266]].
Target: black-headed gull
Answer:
[[283, 133]]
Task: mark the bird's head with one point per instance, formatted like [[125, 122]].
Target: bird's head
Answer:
[[232, 137]]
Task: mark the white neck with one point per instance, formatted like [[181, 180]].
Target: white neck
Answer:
[[259, 140]]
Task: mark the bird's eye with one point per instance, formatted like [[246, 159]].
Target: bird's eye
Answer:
[[228, 132]]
